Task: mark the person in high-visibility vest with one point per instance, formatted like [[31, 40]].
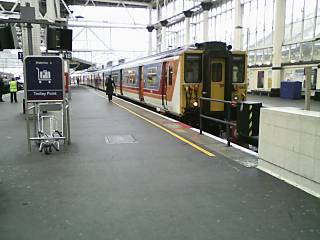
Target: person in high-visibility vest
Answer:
[[13, 89]]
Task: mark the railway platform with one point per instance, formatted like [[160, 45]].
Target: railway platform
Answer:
[[133, 174]]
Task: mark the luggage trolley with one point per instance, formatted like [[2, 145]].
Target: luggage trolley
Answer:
[[51, 125], [46, 103], [50, 135]]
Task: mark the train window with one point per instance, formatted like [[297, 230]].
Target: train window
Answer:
[[238, 69], [192, 68], [115, 78], [130, 77], [170, 75], [126, 77], [152, 77], [216, 69]]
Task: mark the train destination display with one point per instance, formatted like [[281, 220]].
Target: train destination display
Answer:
[[44, 78]]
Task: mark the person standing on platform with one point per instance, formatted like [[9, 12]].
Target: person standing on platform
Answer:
[[13, 89], [1, 89], [110, 85]]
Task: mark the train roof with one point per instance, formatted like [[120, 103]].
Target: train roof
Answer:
[[159, 57], [149, 59]]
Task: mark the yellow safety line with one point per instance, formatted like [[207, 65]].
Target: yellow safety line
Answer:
[[166, 130]]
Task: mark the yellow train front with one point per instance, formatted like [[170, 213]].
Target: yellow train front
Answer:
[[222, 76], [174, 81]]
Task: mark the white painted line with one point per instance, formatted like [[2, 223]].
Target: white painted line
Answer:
[[225, 142], [145, 109]]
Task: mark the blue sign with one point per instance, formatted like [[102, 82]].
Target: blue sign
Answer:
[[67, 55], [44, 78], [20, 55]]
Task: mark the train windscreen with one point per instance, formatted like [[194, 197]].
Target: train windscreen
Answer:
[[192, 68], [238, 68]]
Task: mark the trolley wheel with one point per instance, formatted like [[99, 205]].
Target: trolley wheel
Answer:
[[47, 150]]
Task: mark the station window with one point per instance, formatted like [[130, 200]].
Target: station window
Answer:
[[216, 69], [152, 77], [192, 68], [170, 75]]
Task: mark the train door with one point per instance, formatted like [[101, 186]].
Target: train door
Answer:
[[141, 83], [217, 85], [103, 81], [120, 79], [169, 85], [164, 85]]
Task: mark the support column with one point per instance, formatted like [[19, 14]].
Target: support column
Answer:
[[158, 28], [237, 34], [278, 37], [187, 15], [164, 24], [150, 29], [206, 6], [35, 31], [51, 13], [58, 9]]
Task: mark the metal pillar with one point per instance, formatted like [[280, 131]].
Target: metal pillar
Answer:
[[36, 41], [237, 34], [35, 29], [206, 6], [57, 6], [278, 37], [150, 29], [318, 78], [29, 34], [307, 91], [51, 14], [163, 35], [187, 15]]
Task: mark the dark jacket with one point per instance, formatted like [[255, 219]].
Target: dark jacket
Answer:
[[1, 86], [110, 86]]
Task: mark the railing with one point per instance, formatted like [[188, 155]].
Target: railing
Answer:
[[227, 122]]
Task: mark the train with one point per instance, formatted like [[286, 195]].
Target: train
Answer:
[[173, 81]]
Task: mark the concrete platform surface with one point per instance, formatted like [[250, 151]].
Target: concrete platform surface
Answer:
[[281, 102], [123, 178]]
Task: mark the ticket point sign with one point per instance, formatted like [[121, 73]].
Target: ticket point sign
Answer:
[[44, 78]]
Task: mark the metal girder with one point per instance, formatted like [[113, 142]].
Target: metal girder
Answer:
[[141, 3], [15, 6], [9, 7], [137, 3], [103, 24], [106, 26]]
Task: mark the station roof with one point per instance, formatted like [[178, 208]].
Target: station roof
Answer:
[[128, 3], [11, 6], [79, 64]]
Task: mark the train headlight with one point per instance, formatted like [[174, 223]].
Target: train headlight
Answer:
[[235, 98], [195, 104]]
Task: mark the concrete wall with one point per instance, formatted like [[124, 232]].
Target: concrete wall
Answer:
[[289, 146]]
